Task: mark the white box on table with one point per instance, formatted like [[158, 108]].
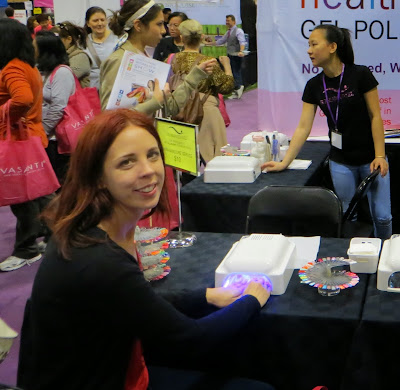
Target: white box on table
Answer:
[[365, 251], [232, 169]]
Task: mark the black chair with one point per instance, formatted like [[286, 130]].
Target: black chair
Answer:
[[295, 211], [358, 228]]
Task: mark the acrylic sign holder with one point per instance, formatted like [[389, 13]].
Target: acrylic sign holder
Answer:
[[180, 239]]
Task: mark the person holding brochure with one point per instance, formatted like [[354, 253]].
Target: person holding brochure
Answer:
[[348, 96], [143, 24]]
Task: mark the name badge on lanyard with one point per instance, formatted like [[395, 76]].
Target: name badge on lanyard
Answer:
[[336, 139], [336, 136]]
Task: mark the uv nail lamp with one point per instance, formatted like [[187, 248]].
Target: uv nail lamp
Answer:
[[389, 266], [232, 169], [256, 256]]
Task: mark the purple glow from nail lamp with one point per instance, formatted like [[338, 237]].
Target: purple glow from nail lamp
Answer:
[[241, 280]]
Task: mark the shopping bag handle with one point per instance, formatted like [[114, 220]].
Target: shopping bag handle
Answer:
[[6, 112]]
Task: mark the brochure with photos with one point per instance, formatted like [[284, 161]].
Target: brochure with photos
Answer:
[[134, 83]]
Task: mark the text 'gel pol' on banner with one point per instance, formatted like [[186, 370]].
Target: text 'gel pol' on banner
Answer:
[[283, 28]]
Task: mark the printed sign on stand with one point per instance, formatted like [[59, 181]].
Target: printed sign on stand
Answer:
[[181, 152], [179, 141]]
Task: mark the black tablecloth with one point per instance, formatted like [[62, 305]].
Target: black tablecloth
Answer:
[[211, 207], [374, 361], [300, 339]]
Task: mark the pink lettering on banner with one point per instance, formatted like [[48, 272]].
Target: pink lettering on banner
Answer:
[[356, 4], [43, 3], [281, 111]]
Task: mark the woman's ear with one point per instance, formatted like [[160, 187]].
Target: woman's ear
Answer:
[[137, 25], [333, 47]]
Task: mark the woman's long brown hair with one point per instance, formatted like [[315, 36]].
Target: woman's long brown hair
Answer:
[[82, 202]]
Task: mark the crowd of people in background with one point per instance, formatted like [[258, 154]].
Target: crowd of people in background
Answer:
[[63, 52]]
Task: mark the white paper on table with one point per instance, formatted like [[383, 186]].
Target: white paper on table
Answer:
[[131, 85], [306, 249], [299, 164]]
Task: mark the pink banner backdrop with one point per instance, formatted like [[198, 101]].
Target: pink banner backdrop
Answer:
[[43, 3]]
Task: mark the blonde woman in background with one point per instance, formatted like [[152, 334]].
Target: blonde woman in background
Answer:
[[212, 135]]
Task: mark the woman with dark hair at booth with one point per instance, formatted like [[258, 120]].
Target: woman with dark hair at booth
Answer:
[[74, 39], [58, 86], [21, 88], [100, 41], [91, 307], [172, 43], [348, 96]]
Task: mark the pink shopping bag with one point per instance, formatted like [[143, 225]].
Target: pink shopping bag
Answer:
[[82, 106], [25, 169]]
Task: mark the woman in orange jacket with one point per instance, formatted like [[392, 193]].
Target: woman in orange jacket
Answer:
[[21, 86]]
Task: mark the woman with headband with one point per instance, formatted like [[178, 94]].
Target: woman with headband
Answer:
[[143, 24]]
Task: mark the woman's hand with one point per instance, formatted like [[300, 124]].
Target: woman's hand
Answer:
[[224, 60], [273, 166], [380, 162], [208, 66], [259, 291], [222, 296], [158, 93]]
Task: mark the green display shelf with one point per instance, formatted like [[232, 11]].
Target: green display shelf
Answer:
[[214, 51]]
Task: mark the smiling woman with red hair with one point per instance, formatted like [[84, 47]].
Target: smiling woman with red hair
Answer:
[[91, 306]]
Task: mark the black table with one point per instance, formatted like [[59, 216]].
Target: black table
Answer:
[[374, 360], [210, 207], [300, 339]]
